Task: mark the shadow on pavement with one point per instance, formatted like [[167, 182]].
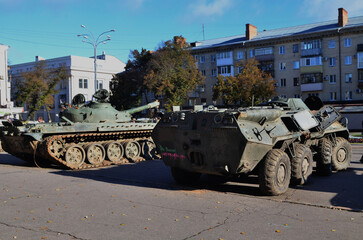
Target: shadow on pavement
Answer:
[[342, 189]]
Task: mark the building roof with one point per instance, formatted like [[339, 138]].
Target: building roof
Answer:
[[280, 33]]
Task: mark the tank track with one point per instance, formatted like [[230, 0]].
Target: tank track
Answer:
[[53, 148]]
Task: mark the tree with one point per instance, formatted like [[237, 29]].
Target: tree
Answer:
[[252, 84], [173, 72], [37, 87], [128, 86]]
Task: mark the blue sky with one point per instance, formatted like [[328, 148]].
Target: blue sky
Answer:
[[49, 28]]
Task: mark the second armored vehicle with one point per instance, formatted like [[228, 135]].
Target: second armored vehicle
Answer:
[[279, 141], [90, 135]]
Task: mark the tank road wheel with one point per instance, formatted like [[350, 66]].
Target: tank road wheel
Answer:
[[132, 150], [148, 149], [323, 157], [184, 177], [275, 173], [56, 147], [341, 154], [75, 156], [95, 153], [114, 152], [301, 165]]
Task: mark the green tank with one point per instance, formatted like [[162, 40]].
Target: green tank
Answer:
[[277, 141], [89, 135]]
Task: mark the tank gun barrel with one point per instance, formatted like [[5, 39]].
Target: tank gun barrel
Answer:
[[144, 107]]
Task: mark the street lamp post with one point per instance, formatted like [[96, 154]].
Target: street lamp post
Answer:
[[95, 41]]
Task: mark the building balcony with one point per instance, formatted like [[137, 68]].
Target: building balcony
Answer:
[[310, 87], [266, 57], [311, 69], [311, 52], [360, 84], [224, 61]]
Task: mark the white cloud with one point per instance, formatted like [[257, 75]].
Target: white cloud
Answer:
[[328, 9], [204, 8]]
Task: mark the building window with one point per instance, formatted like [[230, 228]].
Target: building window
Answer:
[[213, 58], [296, 81], [196, 58], [296, 65], [251, 54], [282, 50], [332, 61], [311, 78], [333, 96], [240, 69], [332, 79], [282, 66], [295, 48], [313, 94], [347, 42], [99, 84], [240, 55], [348, 95], [214, 72], [348, 60], [202, 88], [348, 77], [311, 61], [360, 59], [224, 70], [311, 44], [283, 82], [331, 43], [62, 99], [360, 75], [83, 83], [202, 59], [203, 72], [263, 51]]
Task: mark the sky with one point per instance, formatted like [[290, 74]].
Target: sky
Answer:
[[49, 28]]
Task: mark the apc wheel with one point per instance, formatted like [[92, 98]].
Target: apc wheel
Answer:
[[341, 154], [301, 165], [114, 152], [74, 156], [275, 173], [323, 158], [95, 153], [184, 177], [132, 150], [148, 149]]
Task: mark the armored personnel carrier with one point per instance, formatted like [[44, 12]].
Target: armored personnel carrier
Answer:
[[90, 135], [278, 141]]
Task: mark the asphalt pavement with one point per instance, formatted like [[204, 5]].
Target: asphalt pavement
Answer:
[[142, 201]]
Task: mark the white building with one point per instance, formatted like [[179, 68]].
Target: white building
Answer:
[[4, 81], [81, 80]]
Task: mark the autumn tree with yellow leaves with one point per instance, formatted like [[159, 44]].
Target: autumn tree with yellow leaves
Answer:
[[36, 88], [250, 85]]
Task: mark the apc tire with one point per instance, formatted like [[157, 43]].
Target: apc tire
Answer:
[[184, 177], [301, 165], [275, 173], [323, 158], [341, 154]]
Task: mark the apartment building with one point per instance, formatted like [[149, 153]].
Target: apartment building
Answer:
[[81, 80], [4, 81], [322, 59]]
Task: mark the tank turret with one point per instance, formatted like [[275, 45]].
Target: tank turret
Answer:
[[99, 111]]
